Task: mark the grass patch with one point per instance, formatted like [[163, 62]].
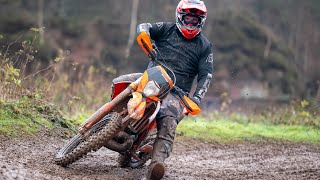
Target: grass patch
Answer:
[[27, 116], [227, 130], [16, 124]]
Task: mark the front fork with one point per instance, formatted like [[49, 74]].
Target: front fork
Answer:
[[104, 110]]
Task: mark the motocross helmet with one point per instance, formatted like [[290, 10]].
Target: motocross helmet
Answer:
[[190, 17]]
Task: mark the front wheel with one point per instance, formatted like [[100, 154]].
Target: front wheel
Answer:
[[96, 137]]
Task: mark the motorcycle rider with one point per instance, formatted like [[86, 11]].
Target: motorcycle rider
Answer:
[[188, 53]]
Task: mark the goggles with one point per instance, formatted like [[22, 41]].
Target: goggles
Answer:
[[190, 20]]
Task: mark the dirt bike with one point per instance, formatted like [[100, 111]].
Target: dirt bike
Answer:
[[127, 123]]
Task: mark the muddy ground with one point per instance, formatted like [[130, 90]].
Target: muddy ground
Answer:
[[31, 158]]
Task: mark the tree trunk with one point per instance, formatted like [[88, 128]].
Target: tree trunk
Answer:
[[133, 25], [40, 21], [318, 94], [268, 46]]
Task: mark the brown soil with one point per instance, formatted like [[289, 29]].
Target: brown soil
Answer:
[[31, 158]]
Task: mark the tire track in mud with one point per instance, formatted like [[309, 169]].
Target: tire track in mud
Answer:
[[31, 158]]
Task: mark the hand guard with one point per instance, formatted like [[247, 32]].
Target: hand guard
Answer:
[[195, 100], [143, 36]]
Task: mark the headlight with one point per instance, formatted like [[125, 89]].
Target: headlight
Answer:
[[151, 89]]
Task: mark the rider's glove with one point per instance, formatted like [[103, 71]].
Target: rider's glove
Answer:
[[144, 36]]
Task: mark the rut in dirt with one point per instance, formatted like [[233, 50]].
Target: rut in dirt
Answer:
[[32, 158]]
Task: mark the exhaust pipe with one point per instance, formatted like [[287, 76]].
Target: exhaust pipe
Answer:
[[120, 143]]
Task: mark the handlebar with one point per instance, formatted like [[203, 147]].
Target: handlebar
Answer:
[[151, 53]]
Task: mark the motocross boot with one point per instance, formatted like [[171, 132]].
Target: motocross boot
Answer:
[[160, 153], [162, 147], [167, 120], [156, 171]]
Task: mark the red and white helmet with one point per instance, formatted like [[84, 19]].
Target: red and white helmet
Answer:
[[193, 8]]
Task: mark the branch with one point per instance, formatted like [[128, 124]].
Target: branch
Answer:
[[39, 71]]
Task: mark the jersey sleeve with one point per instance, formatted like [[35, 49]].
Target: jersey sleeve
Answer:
[[205, 70], [155, 30]]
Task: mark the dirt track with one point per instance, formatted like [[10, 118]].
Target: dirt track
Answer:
[[32, 159]]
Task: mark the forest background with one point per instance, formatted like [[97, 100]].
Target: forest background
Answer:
[[266, 53]]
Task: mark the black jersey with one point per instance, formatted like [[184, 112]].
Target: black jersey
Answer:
[[187, 58]]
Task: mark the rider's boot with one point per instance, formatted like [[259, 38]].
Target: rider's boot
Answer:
[[161, 151], [156, 171], [166, 126]]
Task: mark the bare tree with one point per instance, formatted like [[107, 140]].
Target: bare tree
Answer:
[[133, 25], [40, 20], [268, 44], [318, 93]]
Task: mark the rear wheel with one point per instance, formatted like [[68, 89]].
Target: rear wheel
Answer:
[[94, 139]]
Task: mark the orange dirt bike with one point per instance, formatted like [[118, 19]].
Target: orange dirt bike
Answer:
[[127, 123]]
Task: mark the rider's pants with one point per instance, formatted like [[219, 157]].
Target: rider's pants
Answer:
[[167, 120]]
